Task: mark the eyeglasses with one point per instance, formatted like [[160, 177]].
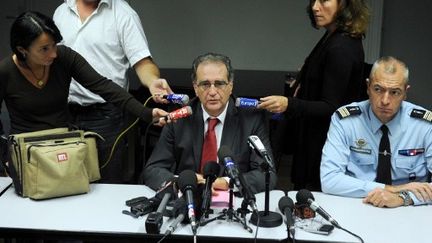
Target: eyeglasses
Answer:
[[206, 85]]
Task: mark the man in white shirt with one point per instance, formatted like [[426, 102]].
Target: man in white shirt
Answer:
[[109, 35]]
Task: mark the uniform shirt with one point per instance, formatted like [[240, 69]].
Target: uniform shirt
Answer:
[[111, 39], [350, 154]]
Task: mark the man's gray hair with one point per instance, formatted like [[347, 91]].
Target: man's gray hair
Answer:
[[212, 58], [390, 65]]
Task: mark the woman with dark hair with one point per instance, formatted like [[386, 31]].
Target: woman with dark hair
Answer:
[[34, 81], [331, 76]]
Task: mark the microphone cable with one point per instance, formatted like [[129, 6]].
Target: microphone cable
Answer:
[[123, 133], [163, 238], [351, 233], [257, 227]]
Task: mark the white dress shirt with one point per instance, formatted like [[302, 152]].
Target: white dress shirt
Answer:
[[111, 39]]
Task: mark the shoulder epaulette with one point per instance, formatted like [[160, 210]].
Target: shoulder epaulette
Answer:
[[422, 114], [347, 111]]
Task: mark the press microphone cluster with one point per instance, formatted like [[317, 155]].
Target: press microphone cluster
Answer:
[[181, 99]]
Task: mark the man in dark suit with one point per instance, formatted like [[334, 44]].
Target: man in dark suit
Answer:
[[181, 143]]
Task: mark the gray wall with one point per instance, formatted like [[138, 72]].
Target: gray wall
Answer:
[[254, 33], [406, 34]]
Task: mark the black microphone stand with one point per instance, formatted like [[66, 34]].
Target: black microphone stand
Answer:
[[266, 218], [229, 213]]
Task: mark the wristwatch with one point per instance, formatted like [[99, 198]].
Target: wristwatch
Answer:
[[405, 197]]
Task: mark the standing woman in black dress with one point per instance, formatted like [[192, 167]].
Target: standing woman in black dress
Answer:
[[331, 76]]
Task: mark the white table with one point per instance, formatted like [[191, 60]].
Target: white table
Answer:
[[100, 212], [374, 225]]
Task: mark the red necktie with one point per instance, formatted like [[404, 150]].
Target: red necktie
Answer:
[[209, 151]]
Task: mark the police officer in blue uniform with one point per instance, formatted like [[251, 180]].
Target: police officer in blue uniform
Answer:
[[350, 159]]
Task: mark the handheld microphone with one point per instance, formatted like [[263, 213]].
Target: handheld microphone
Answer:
[[210, 173], [179, 113], [286, 206], [225, 157], [187, 183], [181, 99], [155, 219], [305, 195], [255, 143], [180, 211], [246, 102]]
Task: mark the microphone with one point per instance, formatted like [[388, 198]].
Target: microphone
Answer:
[[187, 183], [255, 143], [225, 156], [155, 219], [286, 206], [180, 211], [181, 99], [303, 195], [310, 200], [210, 172], [246, 102], [179, 113]]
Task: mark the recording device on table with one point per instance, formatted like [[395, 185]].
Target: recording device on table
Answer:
[[318, 228], [141, 206], [154, 220]]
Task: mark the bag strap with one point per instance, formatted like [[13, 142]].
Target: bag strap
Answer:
[[3, 153], [8, 164]]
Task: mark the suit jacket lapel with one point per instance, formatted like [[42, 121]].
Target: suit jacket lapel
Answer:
[[197, 130], [230, 126]]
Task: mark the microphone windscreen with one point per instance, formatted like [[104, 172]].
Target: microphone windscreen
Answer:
[[187, 179], [303, 195], [224, 151], [285, 202], [211, 168]]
